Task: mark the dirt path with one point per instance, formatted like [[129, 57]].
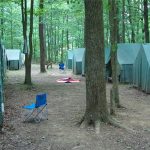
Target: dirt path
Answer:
[[66, 106]]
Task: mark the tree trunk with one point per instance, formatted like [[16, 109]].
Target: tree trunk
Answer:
[[67, 31], [48, 43], [28, 53], [118, 22], [34, 45], [2, 22], [27, 70], [55, 44], [11, 30], [131, 23], [146, 28], [113, 41], [25, 48], [96, 105], [29, 57], [1, 88], [62, 43], [123, 21], [67, 35], [42, 38]]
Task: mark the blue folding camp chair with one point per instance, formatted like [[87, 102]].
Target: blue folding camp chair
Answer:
[[61, 66], [37, 108]]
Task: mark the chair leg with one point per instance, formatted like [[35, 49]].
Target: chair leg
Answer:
[[39, 111], [29, 116], [46, 113], [36, 116]]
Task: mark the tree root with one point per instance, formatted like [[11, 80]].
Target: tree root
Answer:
[[122, 107], [96, 124], [115, 123]]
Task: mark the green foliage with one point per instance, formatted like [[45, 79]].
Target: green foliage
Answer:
[[65, 16]]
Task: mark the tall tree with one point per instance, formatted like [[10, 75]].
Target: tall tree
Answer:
[[2, 22], [96, 105], [11, 29], [1, 87], [131, 21], [146, 28], [28, 52], [67, 31], [42, 37], [123, 21], [113, 42]]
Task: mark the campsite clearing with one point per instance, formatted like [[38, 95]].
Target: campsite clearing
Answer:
[[66, 106]]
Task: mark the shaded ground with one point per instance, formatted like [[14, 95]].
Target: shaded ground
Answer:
[[66, 106]]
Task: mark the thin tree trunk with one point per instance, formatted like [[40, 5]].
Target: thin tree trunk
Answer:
[[58, 45], [146, 28], [123, 21], [11, 30], [67, 31], [48, 42], [118, 21], [25, 49], [42, 38], [28, 53], [67, 35], [28, 61], [2, 23], [62, 45], [113, 40], [131, 23], [1, 89], [34, 45], [55, 44]]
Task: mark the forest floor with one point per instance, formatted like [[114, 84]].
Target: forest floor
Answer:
[[66, 106]]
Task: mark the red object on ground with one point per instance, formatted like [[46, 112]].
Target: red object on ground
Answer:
[[68, 80]]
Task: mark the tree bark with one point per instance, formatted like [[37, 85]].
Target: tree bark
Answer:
[[62, 46], [123, 21], [11, 30], [28, 53], [42, 38], [96, 105], [25, 48], [67, 35], [2, 22], [113, 41], [67, 31], [146, 28], [28, 62], [131, 23]]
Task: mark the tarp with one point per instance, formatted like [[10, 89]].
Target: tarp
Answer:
[[69, 59], [13, 54], [126, 55], [141, 69], [107, 55], [107, 59], [78, 59], [13, 59]]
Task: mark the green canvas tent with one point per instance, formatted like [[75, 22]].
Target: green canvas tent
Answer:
[[141, 69], [13, 59], [107, 55], [69, 59], [126, 55], [78, 55], [107, 62]]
